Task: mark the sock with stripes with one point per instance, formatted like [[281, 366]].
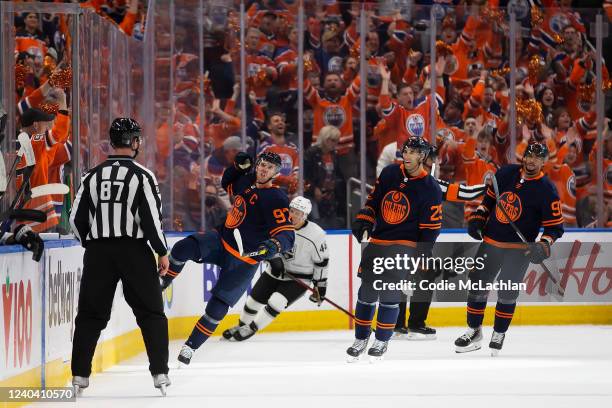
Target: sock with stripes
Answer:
[[475, 313], [364, 313], [503, 316], [386, 320], [204, 328]]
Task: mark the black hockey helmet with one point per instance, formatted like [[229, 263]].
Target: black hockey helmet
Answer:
[[123, 131], [270, 157], [536, 149], [417, 143]]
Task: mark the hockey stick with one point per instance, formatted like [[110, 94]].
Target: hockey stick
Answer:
[[238, 239], [560, 290], [48, 189], [24, 214], [316, 293]]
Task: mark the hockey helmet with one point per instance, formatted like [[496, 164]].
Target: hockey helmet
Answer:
[[270, 157], [536, 149], [123, 131], [417, 143], [301, 204]]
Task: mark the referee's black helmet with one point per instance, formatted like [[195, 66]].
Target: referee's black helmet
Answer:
[[123, 131]]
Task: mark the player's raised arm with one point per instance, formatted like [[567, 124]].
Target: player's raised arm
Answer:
[[233, 174]]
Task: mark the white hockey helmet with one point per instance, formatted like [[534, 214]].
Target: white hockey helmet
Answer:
[[301, 204]]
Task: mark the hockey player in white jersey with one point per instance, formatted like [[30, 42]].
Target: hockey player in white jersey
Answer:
[[274, 291]]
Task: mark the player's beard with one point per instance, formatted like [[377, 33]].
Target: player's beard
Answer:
[[532, 169]]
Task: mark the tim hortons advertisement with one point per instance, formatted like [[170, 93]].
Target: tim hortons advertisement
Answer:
[[21, 316]]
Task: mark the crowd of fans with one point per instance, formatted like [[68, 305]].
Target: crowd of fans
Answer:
[[555, 90]]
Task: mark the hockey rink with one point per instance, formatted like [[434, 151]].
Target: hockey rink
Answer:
[[564, 366]]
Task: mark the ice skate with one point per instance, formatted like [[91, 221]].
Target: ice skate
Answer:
[[161, 381], [185, 354], [245, 332], [79, 384], [229, 333], [497, 342], [378, 350], [421, 333], [356, 350], [469, 341], [400, 332]]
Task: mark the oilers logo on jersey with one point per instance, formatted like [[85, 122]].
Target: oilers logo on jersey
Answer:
[[286, 164], [334, 64], [334, 116], [237, 214], [395, 207], [415, 124], [512, 204]]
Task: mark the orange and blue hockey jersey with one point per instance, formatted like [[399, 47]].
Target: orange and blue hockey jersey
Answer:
[[406, 210], [531, 203], [259, 213]]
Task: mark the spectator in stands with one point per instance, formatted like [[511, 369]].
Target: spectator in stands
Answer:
[[324, 183], [277, 142]]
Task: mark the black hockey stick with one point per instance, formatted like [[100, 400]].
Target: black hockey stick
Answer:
[[560, 290], [316, 293], [24, 214]]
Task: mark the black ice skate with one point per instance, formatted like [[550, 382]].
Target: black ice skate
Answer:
[[356, 350], [377, 351], [185, 354], [497, 342], [161, 381], [421, 333], [245, 332], [400, 331], [469, 341], [79, 384], [229, 333]]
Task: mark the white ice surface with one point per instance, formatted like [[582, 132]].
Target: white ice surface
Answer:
[[558, 366]]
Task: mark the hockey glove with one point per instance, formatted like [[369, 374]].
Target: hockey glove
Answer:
[[270, 248], [476, 223], [277, 267], [537, 252], [30, 241], [321, 289], [243, 162], [364, 222]]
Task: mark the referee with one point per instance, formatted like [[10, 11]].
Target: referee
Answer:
[[116, 211]]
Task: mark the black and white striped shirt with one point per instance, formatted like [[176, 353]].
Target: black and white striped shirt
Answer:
[[461, 192], [119, 198]]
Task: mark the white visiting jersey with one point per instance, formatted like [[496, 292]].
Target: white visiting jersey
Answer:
[[309, 256]]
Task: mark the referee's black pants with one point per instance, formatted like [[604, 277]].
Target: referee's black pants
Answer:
[[106, 262]]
